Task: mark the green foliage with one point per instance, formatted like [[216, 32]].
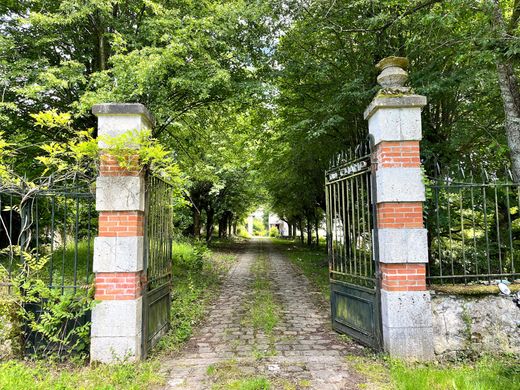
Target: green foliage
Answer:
[[259, 227], [273, 232], [50, 314], [10, 340]]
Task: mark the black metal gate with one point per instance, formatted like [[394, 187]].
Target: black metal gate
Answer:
[[158, 239], [353, 266]]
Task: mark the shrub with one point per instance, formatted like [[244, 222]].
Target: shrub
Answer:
[[273, 232], [242, 232], [190, 255]]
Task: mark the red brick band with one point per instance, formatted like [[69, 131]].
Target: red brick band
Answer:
[[403, 277], [404, 154], [121, 223], [406, 215], [118, 286], [110, 166]]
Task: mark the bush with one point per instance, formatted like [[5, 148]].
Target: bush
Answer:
[[242, 232], [190, 255], [273, 232]]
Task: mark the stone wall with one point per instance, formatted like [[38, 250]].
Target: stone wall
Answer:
[[464, 325], [9, 329]]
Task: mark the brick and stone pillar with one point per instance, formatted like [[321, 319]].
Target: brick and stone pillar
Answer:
[[394, 120], [118, 250]]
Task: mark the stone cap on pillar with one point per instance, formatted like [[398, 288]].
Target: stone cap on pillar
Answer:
[[395, 112], [394, 101], [115, 119], [123, 109]]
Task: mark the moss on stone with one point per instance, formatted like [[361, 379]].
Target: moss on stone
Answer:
[[476, 289]]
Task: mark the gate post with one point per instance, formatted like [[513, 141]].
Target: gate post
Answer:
[[394, 121], [118, 250]]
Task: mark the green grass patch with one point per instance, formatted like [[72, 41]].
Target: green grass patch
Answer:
[[311, 261], [15, 375], [263, 311], [488, 372], [228, 376]]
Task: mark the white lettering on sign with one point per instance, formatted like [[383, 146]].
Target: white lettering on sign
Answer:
[[348, 170]]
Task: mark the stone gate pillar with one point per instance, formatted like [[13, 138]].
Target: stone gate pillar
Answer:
[[118, 250], [394, 120]]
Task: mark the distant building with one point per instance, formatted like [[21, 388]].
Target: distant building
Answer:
[[275, 221]]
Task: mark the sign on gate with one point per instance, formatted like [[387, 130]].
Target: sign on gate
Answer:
[[353, 269]]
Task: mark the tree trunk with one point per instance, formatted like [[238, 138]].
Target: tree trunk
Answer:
[[222, 226], [210, 219], [196, 223], [235, 228], [511, 99], [230, 225], [301, 231], [317, 233], [309, 233], [289, 228], [509, 88]]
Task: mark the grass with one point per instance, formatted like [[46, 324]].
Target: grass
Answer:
[[15, 375], [227, 375], [262, 310], [488, 372], [311, 261], [65, 263]]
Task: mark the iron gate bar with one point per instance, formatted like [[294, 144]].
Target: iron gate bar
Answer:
[[471, 226], [157, 260], [353, 270]]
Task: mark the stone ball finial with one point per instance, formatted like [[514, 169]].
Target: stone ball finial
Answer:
[[393, 74]]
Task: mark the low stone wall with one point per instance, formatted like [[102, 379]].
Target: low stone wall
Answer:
[[9, 329], [464, 325]]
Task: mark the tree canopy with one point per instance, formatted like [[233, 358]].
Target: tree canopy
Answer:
[[252, 97]]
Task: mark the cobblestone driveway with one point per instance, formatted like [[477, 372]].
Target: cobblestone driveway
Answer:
[[302, 352]]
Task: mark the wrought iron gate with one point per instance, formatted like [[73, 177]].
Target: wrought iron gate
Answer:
[[353, 266], [158, 237]]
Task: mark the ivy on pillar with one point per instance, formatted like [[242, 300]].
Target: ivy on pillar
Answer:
[[118, 250], [394, 120]]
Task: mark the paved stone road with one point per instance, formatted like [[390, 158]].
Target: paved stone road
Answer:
[[303, 352]]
